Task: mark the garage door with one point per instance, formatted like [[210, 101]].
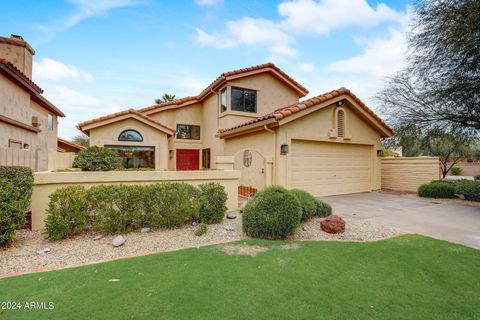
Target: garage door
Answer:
[[323, 168]]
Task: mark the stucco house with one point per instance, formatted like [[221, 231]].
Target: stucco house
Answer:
[[28, 121], [253, 117]]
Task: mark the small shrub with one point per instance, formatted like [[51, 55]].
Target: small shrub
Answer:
[[16, 186], [115, 208], [211, 203], [97, 159], [307, 202], [437, 189], [455, 171], [470, 189], [201, 229], [67, 213], [323, 208], [274, 213], [169, 205], [476, 177]]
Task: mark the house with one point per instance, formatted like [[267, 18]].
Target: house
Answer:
[[28, 121], [64, 145], [253, 117]]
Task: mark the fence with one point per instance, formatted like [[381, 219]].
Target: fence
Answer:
[[18, 157], [406, 174]]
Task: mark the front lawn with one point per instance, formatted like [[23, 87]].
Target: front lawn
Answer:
[[401, 278]]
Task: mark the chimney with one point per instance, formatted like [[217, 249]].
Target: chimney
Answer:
[[18, 52]]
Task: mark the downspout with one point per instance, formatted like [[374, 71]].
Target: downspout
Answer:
[[274, 151]]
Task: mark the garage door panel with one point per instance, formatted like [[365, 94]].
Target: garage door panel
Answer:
[[324, 168]]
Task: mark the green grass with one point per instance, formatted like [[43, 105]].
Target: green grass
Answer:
[[409, 277]]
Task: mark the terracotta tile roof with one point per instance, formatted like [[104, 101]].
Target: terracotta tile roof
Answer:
[[12, 67], [70, 143], [121, 113], [168, 103], [284, 112]]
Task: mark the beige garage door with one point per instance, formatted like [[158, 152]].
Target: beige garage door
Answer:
[[324, 168]]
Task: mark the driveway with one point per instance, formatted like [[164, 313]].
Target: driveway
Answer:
[[452, 220]]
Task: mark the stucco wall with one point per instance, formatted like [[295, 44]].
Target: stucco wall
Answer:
[[407, 174], [18, 55], [48, 182]]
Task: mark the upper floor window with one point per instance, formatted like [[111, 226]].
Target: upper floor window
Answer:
[[223, 100], [50, 122], [130, 135], [244, 100], [341, 123], [186, 131]]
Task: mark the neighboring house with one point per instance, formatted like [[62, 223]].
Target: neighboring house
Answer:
[[68, 146], [28, 121], [329, 144]]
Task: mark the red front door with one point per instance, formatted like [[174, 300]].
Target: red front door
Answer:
[[188, 159]]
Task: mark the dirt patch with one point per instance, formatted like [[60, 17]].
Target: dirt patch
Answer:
[[289, 246], [243, 249]]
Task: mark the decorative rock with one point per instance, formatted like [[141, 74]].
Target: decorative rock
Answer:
[[333, 224], [304, 229], [460, 196], [229, 228], [231, 215], [145, 230], [118, 241], [100, 236], [194, 223], [46, 250]]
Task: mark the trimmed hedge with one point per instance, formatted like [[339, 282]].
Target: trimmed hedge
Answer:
[[211, 202], [97, 159], [476, 177], [455, 171], [16, 186], [323, 209], [470, 189], [307, 202], [437, 189], [67, 213], [273, 213]]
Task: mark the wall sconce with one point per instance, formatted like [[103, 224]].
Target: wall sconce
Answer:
[[340, 103], [26, 146], [284, 149], [170, 154], [379, 153]]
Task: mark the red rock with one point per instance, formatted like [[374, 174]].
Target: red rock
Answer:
[[333, 224]]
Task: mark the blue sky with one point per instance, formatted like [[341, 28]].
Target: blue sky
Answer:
[[95, 57]]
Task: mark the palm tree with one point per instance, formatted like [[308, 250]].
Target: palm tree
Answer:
[[165, 98]]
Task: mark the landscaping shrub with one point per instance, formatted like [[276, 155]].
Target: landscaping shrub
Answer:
[[307, 202], [67, 213], [169, 205], [97, 159], [16, 186], [211, 203], [437, 189], [470, 189], [456, 171], [273, 213], [115, 208], [323, 208], [201, 229], [476, 177]]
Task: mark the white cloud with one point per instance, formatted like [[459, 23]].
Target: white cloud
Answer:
[[283, 50], [306, 67], [53, 70], [208, 2]]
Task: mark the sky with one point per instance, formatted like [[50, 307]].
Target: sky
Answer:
[[95, 57]]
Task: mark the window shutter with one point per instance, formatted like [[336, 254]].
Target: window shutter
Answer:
[[341, 124]]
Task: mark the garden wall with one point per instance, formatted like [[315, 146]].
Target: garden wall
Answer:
[[406, 174], [48, 182], [60, 160]]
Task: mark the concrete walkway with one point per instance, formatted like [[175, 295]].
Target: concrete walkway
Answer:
[[452, 220]]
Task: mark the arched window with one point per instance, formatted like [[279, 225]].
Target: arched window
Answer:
[[130, 135], [340, 123]]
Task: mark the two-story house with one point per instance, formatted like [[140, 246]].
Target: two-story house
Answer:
[[328, 144], [28, 121]]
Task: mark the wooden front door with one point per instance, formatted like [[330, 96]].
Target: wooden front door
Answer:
[[188, 159]]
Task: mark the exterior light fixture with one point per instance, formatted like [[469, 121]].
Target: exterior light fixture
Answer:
[[26, 146], [170, 154], [379, 153], [284, 149], [340, 103]]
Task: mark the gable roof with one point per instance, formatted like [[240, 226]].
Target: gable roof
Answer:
[[86, 126], [21, 79], [287, 111], [61, 141]]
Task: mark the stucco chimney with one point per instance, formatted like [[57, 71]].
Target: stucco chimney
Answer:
[[17, 51]]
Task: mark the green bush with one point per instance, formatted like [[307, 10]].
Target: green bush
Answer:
[[211, 203], [437, 189], [470, 189], [456, 171], [16, 186], [323, 208], [97, 159], [115, 208], [307, 202], [169, 205], [201, 229], [67, 213], [476, 177], [273, 213]]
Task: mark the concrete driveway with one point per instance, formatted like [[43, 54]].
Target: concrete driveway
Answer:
[[451, 220]]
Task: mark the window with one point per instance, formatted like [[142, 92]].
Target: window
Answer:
[[186, 131], [50, 122], [244, 100], [340, 123], [136, 156], [223, 100], [205, 158], [130, 135]]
